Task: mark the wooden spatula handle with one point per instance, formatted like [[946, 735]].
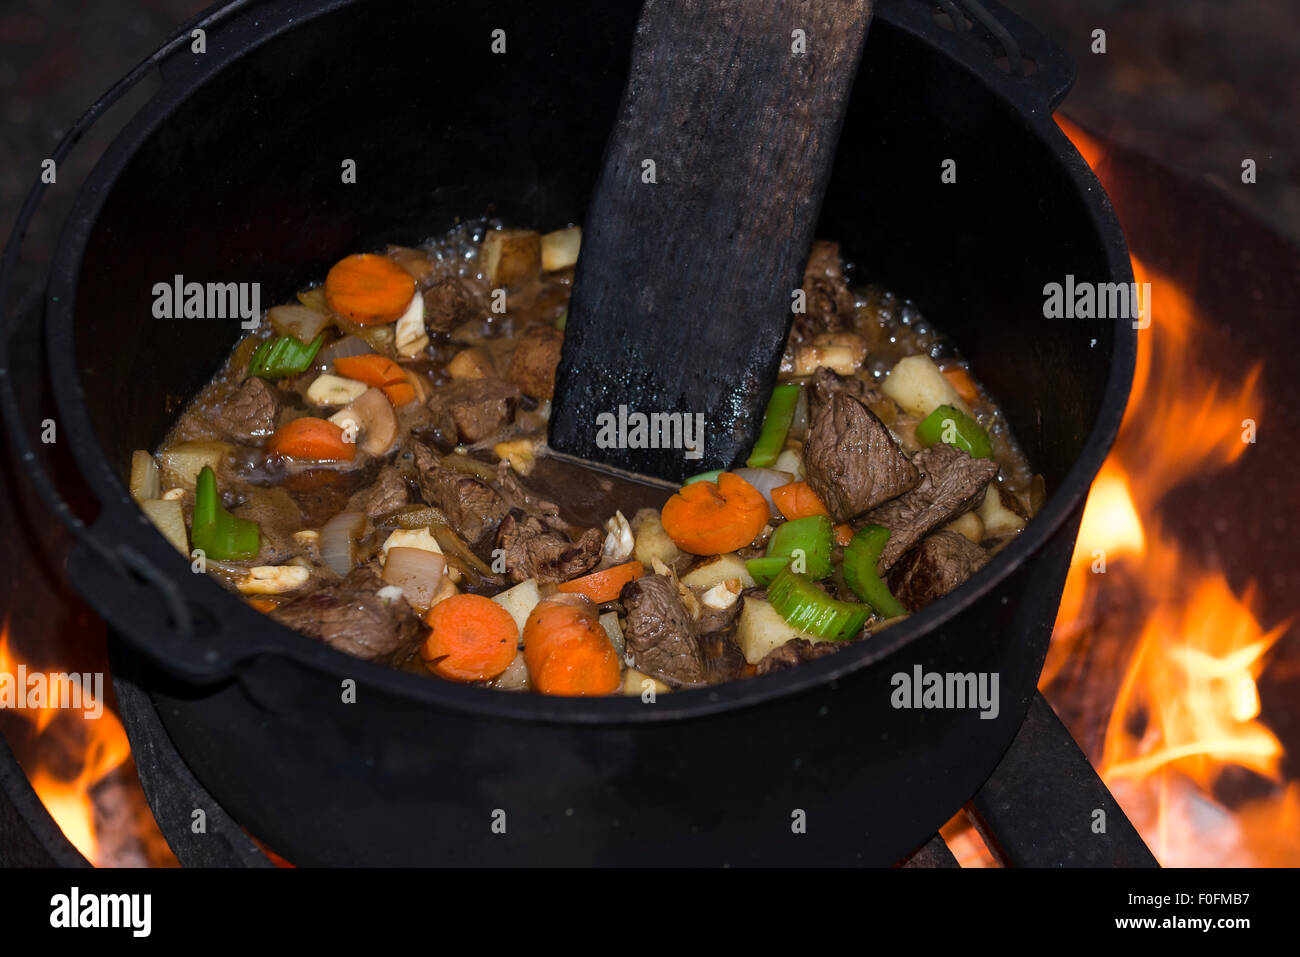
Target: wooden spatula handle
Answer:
[[702, 219]]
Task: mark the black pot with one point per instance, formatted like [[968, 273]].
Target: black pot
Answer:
[[232, 173]]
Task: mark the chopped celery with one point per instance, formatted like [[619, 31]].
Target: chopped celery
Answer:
[[956, 428], [765, 569], [704, 477], [219, 534], [860, 558], [813, 536], [805, 606], [283, 356], [776, 424]]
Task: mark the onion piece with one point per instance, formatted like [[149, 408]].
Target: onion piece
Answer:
[[765, 480], [469, 466], [338, 541], [298, 321], [418, 572], [347, 346]]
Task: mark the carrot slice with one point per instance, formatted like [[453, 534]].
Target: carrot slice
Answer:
[[372, 369], [311, 438], [709, 518], [843, 534], [797, 500], [604, 585], [568, 653], [963, 383], [262, 604], [400, 393], [369, 289], [472, 638]]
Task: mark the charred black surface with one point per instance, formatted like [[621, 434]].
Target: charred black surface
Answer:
[[682, 295]]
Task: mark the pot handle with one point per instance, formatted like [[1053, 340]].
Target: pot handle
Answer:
[[1007, 51], [125, 579]]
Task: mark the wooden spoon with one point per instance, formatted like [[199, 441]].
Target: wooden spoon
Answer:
[[700, 226]]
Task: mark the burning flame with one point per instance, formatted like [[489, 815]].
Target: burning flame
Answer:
[[105, 749], [1187, 709]]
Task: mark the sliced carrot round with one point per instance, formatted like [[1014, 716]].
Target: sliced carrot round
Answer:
[[371, 368], [604, 585], [798, 500], [472, 638], [369, 289], [709, 518], [310, 438], [567, 652]]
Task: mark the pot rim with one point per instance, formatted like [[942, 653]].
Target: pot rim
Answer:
[[275, 639]]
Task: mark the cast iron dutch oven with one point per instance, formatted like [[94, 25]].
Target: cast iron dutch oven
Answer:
[[232, 173]]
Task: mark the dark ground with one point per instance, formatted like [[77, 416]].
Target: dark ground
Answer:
[[1201, 84]]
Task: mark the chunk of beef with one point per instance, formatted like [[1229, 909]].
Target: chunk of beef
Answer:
[[516, 495], [829, 303], [248, 416], [534, 549], [661, 638], [935, 567], [716, 627], [827, 383], [952, 483], [479, 407], [384, 496], [537, 353], [349, 615], [851, 461], [795, 652], [454, 300], [473, 507]]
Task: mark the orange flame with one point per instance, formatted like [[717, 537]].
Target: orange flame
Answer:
[[105, 749], [1188, 706]]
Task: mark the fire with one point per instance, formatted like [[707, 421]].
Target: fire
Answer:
[[1187, 711], [103, 750]]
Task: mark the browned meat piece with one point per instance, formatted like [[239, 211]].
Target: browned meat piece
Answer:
[[935, 567], [532, 367], [716, 621], [248, 416], [517, 495], [473, 508], [851, 461], [349, 615], [830, 304], [386, 495], [661, 637], [952, 483], [479, 407], [827, 383], [534, 549], [722, 655], [795, 652], [454, 300]]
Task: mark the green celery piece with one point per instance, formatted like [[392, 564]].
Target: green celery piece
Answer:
[[967, 434], [704, 477], [860, 558], [563, 320], [765, 569], [776, 424], [805, 606], [813, 535], [219, 534], [283, 356]]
